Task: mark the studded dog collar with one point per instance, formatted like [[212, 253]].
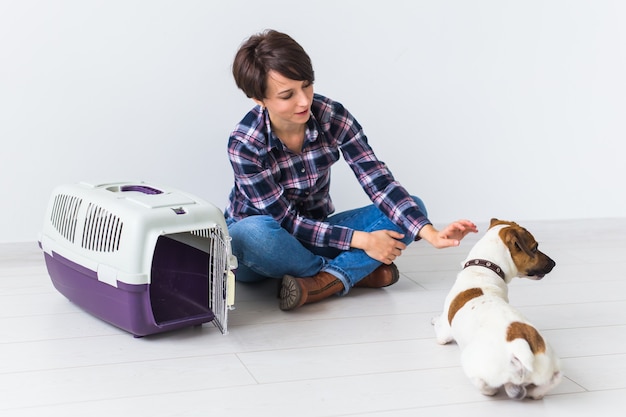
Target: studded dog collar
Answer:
[[487, 264]]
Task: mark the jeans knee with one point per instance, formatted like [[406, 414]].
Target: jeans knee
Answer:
[[247, 233]]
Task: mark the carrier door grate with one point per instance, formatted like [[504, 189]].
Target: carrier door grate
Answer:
[[218, 274]]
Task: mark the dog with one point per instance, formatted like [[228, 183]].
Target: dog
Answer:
[[499, 347]]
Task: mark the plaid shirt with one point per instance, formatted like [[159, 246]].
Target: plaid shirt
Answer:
[[294, 188]]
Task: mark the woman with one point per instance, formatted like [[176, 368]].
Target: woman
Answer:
[[280, 217]]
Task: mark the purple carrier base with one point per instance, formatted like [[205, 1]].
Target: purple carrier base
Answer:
[[138, 309]]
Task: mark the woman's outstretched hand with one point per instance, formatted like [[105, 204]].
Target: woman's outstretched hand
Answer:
[[385, 245], [449, 236]]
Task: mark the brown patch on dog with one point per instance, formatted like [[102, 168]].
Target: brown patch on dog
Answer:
[[518, 330], [461, 299]]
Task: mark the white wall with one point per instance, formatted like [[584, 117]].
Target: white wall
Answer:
[[513, 109]]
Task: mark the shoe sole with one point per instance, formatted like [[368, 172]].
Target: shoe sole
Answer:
[[395, 274], [290, 293]]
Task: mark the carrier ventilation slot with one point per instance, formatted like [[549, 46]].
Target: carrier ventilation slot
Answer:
[[102, 230], [63, 217]]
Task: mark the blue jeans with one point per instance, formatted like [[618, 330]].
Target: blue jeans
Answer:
[[265, 250]]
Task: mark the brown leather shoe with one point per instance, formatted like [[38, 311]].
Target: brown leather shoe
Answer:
[[383, 276], [296, 292]]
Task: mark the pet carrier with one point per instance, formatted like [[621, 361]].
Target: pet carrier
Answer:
[[146, 259]]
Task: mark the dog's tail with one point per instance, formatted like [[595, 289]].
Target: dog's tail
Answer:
[[522, 357], [524, 341]]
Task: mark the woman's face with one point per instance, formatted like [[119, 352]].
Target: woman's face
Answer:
[[287, 101]]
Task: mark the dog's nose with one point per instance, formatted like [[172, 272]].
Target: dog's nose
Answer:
[[550, 264], [542, 270]]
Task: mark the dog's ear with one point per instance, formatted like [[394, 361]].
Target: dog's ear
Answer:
[[497, 222], [516, 237]]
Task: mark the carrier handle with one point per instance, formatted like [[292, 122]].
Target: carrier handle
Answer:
[[141, 188]]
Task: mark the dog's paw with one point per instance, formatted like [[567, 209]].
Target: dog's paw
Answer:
[[444, 340], [517, 392], [442, 331], [538, 392]]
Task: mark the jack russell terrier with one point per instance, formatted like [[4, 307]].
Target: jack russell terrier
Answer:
[[499, 347]]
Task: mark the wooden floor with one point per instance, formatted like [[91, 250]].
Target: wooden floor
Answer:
[[371, 353]]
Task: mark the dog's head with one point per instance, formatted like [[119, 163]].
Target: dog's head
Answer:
[[528, 259]]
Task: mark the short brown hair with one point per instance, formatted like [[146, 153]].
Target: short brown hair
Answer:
[[269, 50]]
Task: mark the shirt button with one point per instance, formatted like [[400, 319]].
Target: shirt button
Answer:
[[302, 170]]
